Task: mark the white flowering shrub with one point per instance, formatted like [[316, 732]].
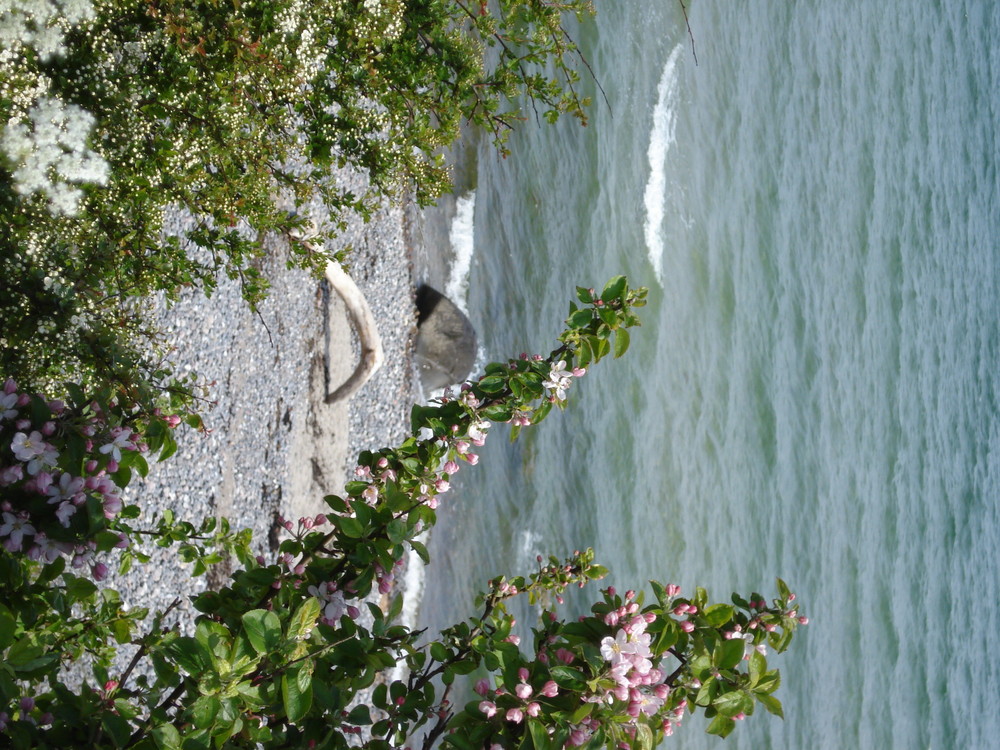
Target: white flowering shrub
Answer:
[[50, 153], [111, 112]]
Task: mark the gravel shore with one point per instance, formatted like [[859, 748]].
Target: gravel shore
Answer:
[[272, 445]]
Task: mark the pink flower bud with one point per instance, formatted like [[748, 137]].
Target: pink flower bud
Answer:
[[450, 467], [523, 691], [687, 626], [673, 590], [803, 621], [483, 687], [550, 689], [533, 709], [522, 674], [489, 708], [320, 519], [515, 715]]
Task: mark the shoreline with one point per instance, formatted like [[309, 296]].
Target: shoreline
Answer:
[[272, 445]]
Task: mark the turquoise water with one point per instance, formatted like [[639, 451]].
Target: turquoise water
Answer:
[[814, 206]]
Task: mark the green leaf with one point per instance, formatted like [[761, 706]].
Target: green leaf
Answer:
[[614, 289], [351, 527], [304, 619], [769, 682], [140, 465], [732, 703], [722, 726], [758, 665], [189, 655], [7, 625], [493, 383], [580, 319], [263, 628], [772, 704], [421, 550], [643, 738], [783, 590], [540, 737], [567, 677], [359, 716], [497, 412], [204, 710], [116, 728], [728, 654], [397, 531], [166, 737], [296, 693], [707, 692], [718, 614]]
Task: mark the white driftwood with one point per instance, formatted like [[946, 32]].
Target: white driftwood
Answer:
[[364, 325], [363, 322]]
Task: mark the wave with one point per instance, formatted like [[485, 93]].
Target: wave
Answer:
[[661, 139], [463, 245]]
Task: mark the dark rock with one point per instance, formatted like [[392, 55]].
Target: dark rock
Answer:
[[446, 340]]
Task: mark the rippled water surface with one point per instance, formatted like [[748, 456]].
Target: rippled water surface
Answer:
[[815, 208]]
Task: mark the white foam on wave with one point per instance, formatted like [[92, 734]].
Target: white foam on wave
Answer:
[[661, 139], [463, 244], [529, 546]]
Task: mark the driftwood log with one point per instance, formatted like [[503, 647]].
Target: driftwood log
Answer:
[[362, 321]]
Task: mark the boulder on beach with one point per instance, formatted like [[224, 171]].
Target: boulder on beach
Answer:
[[446, 340]]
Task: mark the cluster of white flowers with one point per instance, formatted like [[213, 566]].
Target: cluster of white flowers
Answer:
[[384, 21], [41, 24], [52, 152]]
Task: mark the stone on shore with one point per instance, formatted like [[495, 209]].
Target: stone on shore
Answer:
[[446, 340]]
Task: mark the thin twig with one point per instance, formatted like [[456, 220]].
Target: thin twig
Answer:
[[687, 23], [142, 649]]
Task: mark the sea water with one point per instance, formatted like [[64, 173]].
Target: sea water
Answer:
[[810, 191]]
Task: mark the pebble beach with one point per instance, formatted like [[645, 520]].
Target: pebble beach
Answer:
[[272, 446]]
